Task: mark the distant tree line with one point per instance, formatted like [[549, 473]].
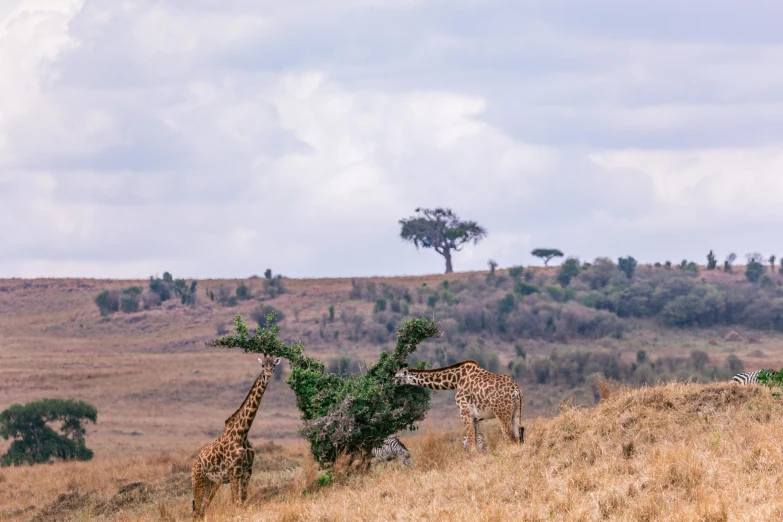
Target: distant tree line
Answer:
[[161, 289]]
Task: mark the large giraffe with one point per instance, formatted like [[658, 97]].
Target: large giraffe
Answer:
[[480, 395], [229, 460]]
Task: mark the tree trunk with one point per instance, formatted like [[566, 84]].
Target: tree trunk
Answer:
[[447, 255]]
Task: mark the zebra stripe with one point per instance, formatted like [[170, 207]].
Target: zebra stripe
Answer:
[[390, 449], [479, 443], [747, 377]]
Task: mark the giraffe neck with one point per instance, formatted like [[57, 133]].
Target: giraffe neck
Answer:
[[442, 379], [239, 423]]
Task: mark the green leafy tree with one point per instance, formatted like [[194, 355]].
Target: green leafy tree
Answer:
[[345, 414], [35, 441], [712, 262], [568, 271], [772, 259], [441, 230], [627, 265], [546, 254]]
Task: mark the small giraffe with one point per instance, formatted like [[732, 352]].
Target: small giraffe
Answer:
[[229, 459], [480, 395]]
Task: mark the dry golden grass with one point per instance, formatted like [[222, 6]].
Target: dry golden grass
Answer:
[[676, 452]]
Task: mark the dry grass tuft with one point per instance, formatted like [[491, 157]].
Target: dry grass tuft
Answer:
[[607, 388], [434, 451], [307, 479]]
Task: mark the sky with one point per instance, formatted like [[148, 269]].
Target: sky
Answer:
[[218, 138]]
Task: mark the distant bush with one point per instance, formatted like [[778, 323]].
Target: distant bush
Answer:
[[261, 313], [627, 265], [129, 300], [166, 287], [108, 302], [735, 364], [600, 273], [243, 292], [574, 367], [754, 270], [523, 288], [492, 264], [515, 271], [273, 285], [712, 262], [344, 365], [150, 299], [568, 270]]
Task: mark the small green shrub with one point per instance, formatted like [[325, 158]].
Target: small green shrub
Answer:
[[712, 262], [754, 270], [129, 300], [568, 270], [108, 302], [273, 285], [523, 288], [243, 292], [515, 271]]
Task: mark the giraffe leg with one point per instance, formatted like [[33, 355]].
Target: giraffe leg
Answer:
[[235, 488], [211, 490], [505, 427], [198, 496], [470, 429], [243, 485], [247, 473], [198, 482]]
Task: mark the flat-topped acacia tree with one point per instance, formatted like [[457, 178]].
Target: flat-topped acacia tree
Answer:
[[345, 415]]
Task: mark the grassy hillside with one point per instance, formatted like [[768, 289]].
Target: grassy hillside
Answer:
[[159, 389], [676, 452]]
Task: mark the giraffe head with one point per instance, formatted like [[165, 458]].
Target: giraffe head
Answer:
[[268, 365], [403, 376]]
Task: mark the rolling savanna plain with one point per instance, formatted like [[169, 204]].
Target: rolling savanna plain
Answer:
[[629, 412]]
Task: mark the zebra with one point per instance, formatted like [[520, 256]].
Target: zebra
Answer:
[[390, 449], [479, 443], [747, 377]]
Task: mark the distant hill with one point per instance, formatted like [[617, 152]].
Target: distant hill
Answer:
[[158, 387]]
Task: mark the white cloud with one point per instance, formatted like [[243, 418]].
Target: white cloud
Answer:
[[219, 139], [707, 186]]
